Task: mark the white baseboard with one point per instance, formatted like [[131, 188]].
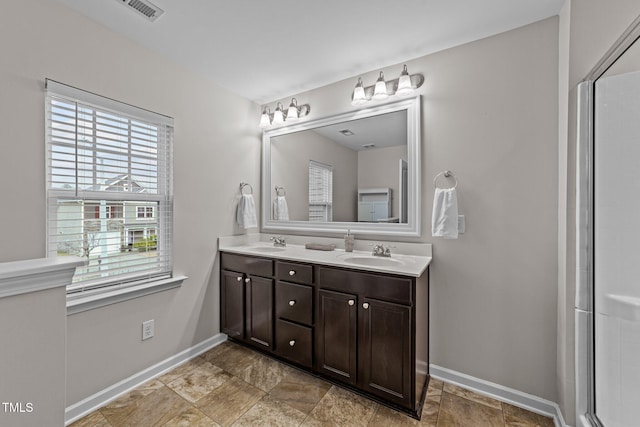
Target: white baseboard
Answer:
[[101, 398], [505, 394]]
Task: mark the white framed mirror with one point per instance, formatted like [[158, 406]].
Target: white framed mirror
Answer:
[[358, 170]]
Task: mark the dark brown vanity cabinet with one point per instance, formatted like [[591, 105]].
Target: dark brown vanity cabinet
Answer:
[[247, 299], [352, 326], [366, 333]]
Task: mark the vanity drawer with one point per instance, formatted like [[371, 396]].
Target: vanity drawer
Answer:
[[294, 342], [246, 264], [294, 272], [377, 286], [294, 302]]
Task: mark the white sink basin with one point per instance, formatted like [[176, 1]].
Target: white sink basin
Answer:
[[373, 261], [267, 249]]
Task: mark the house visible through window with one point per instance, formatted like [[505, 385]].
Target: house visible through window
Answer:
[[109, 190], [320, 192]]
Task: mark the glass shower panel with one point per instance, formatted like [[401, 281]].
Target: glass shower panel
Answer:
[[617, 244]]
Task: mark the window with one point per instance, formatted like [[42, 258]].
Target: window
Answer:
[[320, 192], [108, 165], [144, 212]]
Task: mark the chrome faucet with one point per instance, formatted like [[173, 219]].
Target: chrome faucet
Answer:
[[279, 241], [380, 250]]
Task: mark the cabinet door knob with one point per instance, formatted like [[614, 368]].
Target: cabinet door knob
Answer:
[[247, 280], [292, 272], [292, 302], [239, 278], [365, 305], [292, 343], [351, 302]]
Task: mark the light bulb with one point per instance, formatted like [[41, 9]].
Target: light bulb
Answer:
[[292, 112], [404, 83], [265, 121], [278, 117], [380, 89], [359, 97]]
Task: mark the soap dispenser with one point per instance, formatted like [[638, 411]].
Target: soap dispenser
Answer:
[[349, 240]]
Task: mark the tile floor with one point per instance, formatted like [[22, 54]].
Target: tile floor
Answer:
[[231, 385]]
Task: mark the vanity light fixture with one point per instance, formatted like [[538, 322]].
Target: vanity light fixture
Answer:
[[380, 89], [280, 116], [292, 112], [359, 97], [405, 85], [265, 118]]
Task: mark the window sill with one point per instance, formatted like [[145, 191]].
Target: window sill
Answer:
[[78, 304]]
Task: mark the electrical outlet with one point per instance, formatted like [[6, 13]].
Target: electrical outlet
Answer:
[[147, 329]]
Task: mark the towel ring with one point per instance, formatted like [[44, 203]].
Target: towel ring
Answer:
[[446, 174], [278, 189], [244, 184]]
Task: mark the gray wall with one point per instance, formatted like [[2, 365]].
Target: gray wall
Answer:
[[490, 114], [217, 145], [588, 28], [32, 333]]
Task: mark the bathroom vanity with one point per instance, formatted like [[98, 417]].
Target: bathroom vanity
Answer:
[[348, 317]]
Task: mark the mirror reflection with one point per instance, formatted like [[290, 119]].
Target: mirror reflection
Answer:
[[357, 170], [353, 171]]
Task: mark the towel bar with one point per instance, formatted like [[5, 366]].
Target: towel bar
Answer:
[[446, 174], [244, 184]]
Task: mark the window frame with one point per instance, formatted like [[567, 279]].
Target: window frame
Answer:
[[119, 286], [325, 186]]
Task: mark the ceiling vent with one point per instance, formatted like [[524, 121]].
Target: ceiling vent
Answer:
[[144, 8]]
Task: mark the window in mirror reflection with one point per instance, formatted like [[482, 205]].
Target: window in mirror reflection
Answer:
[[320, 192]]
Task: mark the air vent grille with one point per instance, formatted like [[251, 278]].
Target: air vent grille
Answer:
[[144, 7]]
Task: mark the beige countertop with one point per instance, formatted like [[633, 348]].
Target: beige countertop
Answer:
[[407, 259]]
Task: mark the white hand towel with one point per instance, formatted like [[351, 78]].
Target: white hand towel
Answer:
[[246, 213], [444, 222], [280, 209]]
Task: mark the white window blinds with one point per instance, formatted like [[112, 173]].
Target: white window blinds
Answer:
[[320, 192], [106, 163]]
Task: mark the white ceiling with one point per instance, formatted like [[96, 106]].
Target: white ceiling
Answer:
[[267, 50]]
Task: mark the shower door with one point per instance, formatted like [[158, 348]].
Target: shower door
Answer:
[[608, 294], [616, 305]]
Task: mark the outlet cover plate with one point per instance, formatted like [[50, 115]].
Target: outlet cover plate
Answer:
[[147, 329]]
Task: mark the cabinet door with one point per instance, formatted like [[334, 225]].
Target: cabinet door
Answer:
[[385, 358], [259, 315], [337, 335], [232, 310]]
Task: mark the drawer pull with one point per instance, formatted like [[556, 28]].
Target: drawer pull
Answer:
[[239, 278], [365, 305], [292, 302], [351, 302], [292, 343], [247, 280], [292, 272]]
